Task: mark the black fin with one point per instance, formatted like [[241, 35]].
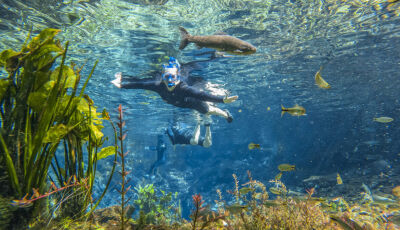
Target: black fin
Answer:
[[185, 38]]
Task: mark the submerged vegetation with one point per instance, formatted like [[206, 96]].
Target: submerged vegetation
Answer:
[[51, 141], [44, 117]]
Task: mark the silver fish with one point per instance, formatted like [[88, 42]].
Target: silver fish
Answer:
[[225, 43]]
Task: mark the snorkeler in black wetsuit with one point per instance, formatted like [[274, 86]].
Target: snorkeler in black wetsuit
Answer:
[[173, 89], [179, 133]]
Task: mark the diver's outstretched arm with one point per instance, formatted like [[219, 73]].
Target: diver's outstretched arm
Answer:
[[213, 110], [128, 82], [205, 96]]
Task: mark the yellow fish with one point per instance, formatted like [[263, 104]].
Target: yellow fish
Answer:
[[396, 191], [236, 208], [297, 110], [286, 167], [277, 191], [245, 190], [278, 177], [254, 146], [320, 81], [339, 179], [383, 119]]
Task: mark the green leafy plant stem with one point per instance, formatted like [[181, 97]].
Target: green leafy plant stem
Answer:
[[46, 118]]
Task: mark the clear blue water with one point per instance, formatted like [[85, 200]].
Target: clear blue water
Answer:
[[356, 42]]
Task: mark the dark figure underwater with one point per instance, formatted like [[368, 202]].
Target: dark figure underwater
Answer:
[[160, 148], [179, 133], [174, 88]]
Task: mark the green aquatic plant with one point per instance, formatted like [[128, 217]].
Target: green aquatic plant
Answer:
[[253, 209], [43, 113], [156, 208]]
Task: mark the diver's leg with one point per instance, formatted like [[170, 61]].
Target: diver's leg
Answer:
[[207, 138], [207, 120], [118, 79], [212, 110], [196, 134]]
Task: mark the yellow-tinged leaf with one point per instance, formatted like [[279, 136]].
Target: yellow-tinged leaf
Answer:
[[7, 54], [45, 34], [55, 133], [36, 100], [48, 33], [96, 131], [67, 74], [106, 152], [51, 47], [105, 114]]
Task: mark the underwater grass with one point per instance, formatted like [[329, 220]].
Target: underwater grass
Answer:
[[41, 115]]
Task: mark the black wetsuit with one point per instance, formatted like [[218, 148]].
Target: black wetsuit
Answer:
[[184, 95], [181, 134], [178, 133]]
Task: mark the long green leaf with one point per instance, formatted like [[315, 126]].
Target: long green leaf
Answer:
[[45, 121], [105, 152], [10, 167], [87, 80], [28, 140], [45, 166]]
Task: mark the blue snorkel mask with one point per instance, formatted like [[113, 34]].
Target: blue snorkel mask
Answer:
[[171, 73]]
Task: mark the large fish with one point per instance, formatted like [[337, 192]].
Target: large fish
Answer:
[[220, 42]]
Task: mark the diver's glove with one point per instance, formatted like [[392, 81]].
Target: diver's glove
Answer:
[[117, 80], [230, 99]]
